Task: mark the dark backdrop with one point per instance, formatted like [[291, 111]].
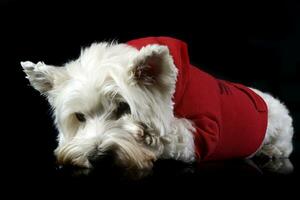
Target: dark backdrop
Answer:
[[253, 43]]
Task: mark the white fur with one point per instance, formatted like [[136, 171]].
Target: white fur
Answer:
[[105, 75], [278, 139]]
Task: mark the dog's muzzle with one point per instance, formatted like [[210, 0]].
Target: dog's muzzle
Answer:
[[101, 159]]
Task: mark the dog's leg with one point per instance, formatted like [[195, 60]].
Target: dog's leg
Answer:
[[278, 139], [179, 143], [276, 165]]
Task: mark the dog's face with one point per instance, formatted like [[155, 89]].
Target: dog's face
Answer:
[[114, 100]]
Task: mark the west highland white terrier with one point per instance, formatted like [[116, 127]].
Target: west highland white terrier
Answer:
[[142, 100]]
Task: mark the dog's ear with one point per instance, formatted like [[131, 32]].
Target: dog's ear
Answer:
[[43, 77], [153, 66]]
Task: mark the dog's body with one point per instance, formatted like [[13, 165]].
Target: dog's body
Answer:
[[119, 100]]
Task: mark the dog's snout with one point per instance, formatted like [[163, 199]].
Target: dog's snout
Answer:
[[101, 159]]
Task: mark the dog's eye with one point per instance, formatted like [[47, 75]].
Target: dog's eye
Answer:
[[123, 108], [80, 117]]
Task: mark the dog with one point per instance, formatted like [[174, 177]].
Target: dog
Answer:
[[140, 101]]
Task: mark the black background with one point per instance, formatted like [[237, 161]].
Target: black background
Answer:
[[257, 44]]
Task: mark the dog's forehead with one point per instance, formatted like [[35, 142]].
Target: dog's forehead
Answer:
[[100, 62], [105, 55], [83, 95], [97, 77]]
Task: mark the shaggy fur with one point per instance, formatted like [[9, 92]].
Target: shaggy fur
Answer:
[[109, 100]]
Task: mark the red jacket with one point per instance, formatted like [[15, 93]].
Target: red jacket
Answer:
[[230, 119]]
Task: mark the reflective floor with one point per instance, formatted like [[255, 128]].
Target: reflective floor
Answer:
[[257, 175], [256, 167]]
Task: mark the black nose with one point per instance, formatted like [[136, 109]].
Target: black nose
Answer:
[[101, 159]]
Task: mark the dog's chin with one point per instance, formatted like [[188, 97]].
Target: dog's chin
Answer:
[[131, 158], [72, 155], [128, 162], [120, 145], [134, 157], [126, 152]]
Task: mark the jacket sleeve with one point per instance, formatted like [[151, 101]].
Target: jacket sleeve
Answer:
[[206, 136]]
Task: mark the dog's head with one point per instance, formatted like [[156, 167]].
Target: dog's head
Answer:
[[114, 100]]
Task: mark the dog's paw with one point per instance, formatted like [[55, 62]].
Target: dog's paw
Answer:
[[270, 151], [278, 165], [152, 140], [149, 137]]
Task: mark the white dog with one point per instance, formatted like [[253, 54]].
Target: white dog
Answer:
[[123, 100]]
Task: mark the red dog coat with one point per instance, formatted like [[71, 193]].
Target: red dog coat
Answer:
[[230, 119]]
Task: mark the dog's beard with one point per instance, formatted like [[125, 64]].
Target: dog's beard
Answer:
[[120, 139]]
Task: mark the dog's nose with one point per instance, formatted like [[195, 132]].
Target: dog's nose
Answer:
[[101, 159]]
